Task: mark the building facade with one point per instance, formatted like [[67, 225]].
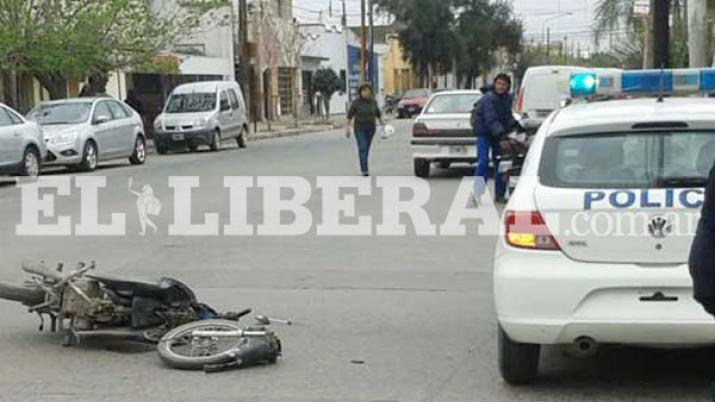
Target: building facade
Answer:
[[325, 47], [399, 74]]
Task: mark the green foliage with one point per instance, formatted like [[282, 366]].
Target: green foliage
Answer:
[[679, 51], [484, 27], [612, 14], [426, 31], [602, 59], [55, 40], [436, 34], [327, 82]]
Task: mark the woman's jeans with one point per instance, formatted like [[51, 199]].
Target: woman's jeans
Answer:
[[364, 137], [484, 144]]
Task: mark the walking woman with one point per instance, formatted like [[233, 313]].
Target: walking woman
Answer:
[[366, 113]]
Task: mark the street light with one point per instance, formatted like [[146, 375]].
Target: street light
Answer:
[[543, 24], [546, 40]]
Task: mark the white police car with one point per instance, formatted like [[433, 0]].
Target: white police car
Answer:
[[598, 232]]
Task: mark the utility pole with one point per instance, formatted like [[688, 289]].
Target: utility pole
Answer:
[[363, 76], [244, 59], [330, 9], [371, 62], [697, 36], [548, 45], [566, 50], [344, 20], [661, 33]]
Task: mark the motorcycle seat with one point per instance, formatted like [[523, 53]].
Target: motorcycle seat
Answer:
[[166, 290]]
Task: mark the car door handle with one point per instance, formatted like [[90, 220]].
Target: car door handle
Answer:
[[16, 134]]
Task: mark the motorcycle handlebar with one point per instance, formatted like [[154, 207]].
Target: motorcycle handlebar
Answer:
[[55, 275], [41, 270]]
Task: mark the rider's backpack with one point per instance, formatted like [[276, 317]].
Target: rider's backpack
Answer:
[[476, 111]]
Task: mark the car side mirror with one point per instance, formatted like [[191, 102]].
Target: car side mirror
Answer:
[[225, 106], [101, 119]]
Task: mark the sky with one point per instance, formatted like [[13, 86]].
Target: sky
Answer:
[[536, 14]]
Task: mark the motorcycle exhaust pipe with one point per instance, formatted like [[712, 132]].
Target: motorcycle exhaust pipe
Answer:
[[113, 334]]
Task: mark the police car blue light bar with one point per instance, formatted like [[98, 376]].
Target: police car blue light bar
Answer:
[[614, 82]]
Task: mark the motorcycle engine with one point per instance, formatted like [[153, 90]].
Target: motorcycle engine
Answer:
[[75, 304], [95, 308]]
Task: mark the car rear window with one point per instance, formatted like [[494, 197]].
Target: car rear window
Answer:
[[454, 103], [628, 160], [416, 93]]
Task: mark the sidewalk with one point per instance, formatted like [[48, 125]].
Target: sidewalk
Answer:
[[285, 127]]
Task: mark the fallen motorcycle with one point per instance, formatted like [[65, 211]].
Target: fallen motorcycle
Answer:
[[88, 306]]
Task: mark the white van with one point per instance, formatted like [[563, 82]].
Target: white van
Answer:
[[541, 92], [202, 113]]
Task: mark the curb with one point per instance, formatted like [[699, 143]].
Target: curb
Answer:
[[265, 135]]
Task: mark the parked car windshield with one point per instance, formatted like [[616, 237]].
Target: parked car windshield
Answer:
[[455, 103], [191, 103], [416, 93], [61, 113]]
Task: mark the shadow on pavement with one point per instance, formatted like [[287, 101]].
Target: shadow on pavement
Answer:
[[629, 369]]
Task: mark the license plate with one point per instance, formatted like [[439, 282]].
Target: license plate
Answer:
[[457, 149], [178, 137]]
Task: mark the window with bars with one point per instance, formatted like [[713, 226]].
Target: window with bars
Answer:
[[285, 89]]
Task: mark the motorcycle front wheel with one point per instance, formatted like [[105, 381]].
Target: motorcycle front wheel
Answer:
[[179, 349]]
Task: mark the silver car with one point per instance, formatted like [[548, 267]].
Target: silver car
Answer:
[[81, 132], [442, 133], [21, 146], [202, 113]]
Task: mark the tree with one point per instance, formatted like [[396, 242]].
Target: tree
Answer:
[[426, 32], [57, 40], [616, 17], [439, 35], [483, 28], [327, 82]]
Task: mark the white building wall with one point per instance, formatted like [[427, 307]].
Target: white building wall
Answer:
[[329, 41], [216, 37]]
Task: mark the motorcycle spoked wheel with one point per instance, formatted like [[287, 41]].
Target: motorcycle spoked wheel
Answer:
[[179, 349]]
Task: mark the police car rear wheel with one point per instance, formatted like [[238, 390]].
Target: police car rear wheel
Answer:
[[518, 362], [422, 168]]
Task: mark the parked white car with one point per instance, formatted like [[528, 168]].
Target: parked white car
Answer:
[[22, 148], [442, 133], [82, 132], [202, 113]]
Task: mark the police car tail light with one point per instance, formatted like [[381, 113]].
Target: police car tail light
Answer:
[[528, 230], [421, 130]]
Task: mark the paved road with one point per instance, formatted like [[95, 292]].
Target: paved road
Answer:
[[416, 310]]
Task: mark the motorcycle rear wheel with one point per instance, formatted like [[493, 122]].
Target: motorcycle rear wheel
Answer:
[[171, 352], [25, 295]]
